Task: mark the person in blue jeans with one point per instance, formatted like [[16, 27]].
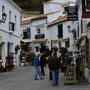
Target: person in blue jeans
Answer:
[[37, 66], [54, 65]]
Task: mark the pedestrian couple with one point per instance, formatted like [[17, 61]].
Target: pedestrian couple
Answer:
[[37, 63], [54, 65]]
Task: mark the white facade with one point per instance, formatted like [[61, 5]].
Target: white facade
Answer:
[[34, 26], [58, 7], [9, 36], [53, 10]]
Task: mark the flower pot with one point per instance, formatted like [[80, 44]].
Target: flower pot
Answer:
[[17, 52]]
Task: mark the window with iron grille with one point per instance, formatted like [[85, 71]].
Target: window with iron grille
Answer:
[[26, 33], [11, 26]]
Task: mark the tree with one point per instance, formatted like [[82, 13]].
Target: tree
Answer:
[[30, 5]]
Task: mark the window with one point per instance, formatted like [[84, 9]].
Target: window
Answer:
[[3, 9], [26, 33], [9, 16], [15, 22], [11, 26], [38, 31], [20, 17], [78, 30], [60, 31]]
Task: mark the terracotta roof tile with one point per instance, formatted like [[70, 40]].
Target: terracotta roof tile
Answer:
[[58, 19], [65, 4], [25, 21], [37, 17]]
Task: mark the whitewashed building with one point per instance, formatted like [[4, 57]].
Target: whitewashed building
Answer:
[[34, 32], [57, 23], [56, 18], [10, 30], [83, 35]]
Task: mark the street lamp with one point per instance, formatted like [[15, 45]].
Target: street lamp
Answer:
[[4, 17], [72, 31]]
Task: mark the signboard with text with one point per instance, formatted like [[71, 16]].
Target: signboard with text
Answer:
[[72, 13]]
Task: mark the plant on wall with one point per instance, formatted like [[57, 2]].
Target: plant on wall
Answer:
[[17, 47]]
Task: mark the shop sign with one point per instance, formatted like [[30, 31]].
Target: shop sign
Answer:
[[70, 77], [72, 13]]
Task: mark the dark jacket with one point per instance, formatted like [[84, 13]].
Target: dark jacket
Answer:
[[43, 61], [54, 63], [67, 61]]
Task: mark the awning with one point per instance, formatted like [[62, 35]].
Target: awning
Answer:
[[60, 40], [39, 40], [26, 40], [0, 40]]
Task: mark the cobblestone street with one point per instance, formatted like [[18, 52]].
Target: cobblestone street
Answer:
[[22, 78]]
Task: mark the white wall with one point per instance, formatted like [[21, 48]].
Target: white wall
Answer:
[[53, 32], [4, 27]]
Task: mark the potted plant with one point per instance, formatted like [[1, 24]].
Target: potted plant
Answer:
[[17, 47]]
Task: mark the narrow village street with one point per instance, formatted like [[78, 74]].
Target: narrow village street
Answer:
[[22, 78]]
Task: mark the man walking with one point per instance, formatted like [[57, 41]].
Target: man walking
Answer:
[[54, 65], [42, 63], [37, 66]]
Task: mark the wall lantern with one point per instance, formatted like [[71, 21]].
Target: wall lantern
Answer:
[[72, 31], [4, 17]]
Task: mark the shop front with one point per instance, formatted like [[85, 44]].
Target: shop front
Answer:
[[39, 45]]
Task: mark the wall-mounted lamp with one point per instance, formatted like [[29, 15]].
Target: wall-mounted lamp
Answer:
[[72, 31], [4, 17]]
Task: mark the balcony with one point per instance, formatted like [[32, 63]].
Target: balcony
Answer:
[[11, 27], [40, 36]]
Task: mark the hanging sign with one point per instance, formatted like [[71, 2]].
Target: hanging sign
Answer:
[[72, 13]]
